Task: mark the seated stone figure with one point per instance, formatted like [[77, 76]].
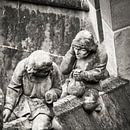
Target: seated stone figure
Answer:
[[86, 63], [34, 86]]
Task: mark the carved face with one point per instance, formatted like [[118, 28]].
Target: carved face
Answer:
[[41, 71], [83, 44], [80, 52]]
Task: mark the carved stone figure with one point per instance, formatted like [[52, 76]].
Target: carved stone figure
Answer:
[[34, 86], [86, 63]]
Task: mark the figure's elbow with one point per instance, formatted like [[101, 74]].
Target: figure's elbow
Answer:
[[65, 70]]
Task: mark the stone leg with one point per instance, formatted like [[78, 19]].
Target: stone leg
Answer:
[[56, 125], [41, 122], [90, 100]]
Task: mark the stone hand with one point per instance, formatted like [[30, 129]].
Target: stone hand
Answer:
[[77, 74], [50, 97], [6, 114]]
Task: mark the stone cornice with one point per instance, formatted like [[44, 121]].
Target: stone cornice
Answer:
[[69, 4]]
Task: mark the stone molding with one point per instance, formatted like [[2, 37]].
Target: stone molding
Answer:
[[69, 4]]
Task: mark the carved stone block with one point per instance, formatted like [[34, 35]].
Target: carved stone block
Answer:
[[114, 114]]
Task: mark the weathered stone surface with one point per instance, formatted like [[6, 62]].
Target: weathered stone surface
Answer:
[[115, 17], [112, 84], [113, 115], [120, 13], [95, 3], [70, 114], [122, 48], [33, 30], [8, 60], [110, 49], [116, 13], [106, 11], [96, 20], [70, 4], [1, 108], [28, 27], [66, 104], [17, 124]]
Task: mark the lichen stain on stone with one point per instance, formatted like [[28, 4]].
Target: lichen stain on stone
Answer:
[[13, 27], [31, 30]]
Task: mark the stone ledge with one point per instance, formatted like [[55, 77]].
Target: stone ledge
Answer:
[[113, 83], [70, 102], [72, 116], [70, 4], [66, 104]]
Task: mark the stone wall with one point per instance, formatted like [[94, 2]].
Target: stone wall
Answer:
[[116, 28]]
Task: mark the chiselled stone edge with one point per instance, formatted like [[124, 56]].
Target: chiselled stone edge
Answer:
[[71, 103], [66, 104], [112, 84], [68, 4]]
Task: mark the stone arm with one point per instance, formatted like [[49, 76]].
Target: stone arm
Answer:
[[54, 93], [68, 62], [99, 70], [14, 89], [56, 80]]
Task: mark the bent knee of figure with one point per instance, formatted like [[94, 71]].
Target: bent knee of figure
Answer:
[[56, 125], [42, 122], [90, 100]]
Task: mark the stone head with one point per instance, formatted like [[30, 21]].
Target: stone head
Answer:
[[39, 63], [83, 44]]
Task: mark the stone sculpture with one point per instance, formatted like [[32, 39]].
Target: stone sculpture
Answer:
[[86, 63], [35, 85]]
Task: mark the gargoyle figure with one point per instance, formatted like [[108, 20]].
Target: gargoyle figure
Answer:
[[86, 62]]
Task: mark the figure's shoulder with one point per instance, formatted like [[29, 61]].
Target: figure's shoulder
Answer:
[[22, 64]]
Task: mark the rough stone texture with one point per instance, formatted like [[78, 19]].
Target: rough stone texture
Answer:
[[117, 46], [106, 11], [114, 114], [115, 17], [122, 48], [27, 27], [33, 27], [70, 4], [66, 104], [96, 20], [110, 49], [8, 58], [95, 3], [33, 30], [1, 108], [116, 13]]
